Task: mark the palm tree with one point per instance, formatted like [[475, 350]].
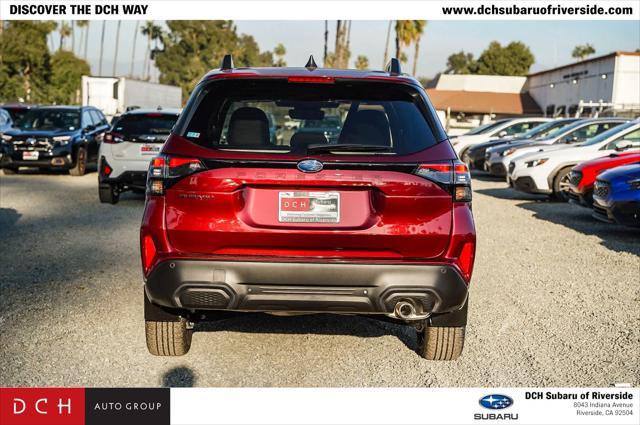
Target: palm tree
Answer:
[[73, 36], [85, 29], [101, 47], [65, 31], [404, 35], [153, 32], [419, 27], [386, 46], [326, 39], [115, 55], [133, 48]]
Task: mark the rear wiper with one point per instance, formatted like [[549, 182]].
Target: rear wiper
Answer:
[[323, 147]]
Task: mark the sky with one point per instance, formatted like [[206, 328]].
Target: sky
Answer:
[[550, 41]]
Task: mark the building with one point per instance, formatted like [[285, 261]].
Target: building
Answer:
[[604, 85], [466, 101]]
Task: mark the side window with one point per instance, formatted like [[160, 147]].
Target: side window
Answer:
[[95, 118], [581, 134], [630, 140], [86, 119], [604, 127], [4, 118], [516, 128]]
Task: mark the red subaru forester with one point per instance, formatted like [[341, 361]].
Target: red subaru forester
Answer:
[[308, 190]]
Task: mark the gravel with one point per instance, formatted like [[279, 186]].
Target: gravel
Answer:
[[554, 302]]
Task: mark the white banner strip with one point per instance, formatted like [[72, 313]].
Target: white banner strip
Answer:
[[321, 9], [382, 406]]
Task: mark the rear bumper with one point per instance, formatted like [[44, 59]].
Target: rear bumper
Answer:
[[133, 179], [304, 287]]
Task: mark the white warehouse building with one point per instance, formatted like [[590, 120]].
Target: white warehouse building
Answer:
[[604, 85]]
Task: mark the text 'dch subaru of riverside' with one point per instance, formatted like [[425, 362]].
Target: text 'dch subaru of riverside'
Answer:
[[377, 222], [134, 139]]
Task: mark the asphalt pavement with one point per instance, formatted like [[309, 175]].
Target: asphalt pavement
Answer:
[[555, 301]]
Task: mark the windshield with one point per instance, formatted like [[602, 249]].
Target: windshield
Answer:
[[152, 123], [237, 115], [16, 113], [544, 129], [606, 134], [560, 131], [484, 128], [51, 119]]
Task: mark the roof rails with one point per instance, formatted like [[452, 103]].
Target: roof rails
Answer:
[[393, 67], [227, 63]]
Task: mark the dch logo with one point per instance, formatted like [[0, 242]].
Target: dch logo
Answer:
[[45, 406]]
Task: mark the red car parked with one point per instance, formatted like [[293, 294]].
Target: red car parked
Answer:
[[376, 222], [583, 176]]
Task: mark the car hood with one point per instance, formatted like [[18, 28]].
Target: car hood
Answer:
[[39, 133], [623, 173], [609, 161]]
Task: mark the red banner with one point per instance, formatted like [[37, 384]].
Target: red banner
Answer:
[[42, 406]]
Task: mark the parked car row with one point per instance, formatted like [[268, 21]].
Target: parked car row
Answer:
[[75, 138], [592, 162]]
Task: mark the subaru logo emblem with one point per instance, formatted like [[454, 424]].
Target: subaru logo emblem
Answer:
[[310, 166], [496, 401], [31, 141]]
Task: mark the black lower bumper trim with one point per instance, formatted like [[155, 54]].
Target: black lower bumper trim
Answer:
[[304, 287], [135, 179]]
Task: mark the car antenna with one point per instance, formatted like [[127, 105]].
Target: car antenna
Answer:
[[227, 63], [311, 64], [393, 67]]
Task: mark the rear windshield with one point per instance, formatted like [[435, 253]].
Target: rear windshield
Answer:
[[145, 123], [281, 117]]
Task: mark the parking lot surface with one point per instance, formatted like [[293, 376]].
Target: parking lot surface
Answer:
[[555, 301]]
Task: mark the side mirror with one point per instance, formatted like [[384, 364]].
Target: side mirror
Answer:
[[623, 145], [89, 128]]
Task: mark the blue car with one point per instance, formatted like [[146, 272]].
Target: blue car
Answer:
[[616, 196], [54, 137]]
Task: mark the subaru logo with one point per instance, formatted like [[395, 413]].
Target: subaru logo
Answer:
[[31, 140], [496, 401], [310, 166]]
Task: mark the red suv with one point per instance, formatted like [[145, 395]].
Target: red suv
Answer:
[[368, 214]]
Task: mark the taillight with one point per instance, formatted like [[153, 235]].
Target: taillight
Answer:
[[164, 171], [453, 176], [112, 138]]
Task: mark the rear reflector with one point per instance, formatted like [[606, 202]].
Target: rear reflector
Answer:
[[148, 252], [465, 260], [319, 80]]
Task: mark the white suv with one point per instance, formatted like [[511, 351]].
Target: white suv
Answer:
[[134, 139], [548, 171]]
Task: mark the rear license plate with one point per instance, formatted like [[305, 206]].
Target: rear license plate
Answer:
[[309, 207], [150, 149], [30, 155]]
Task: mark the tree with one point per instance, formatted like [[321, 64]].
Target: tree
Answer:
[[66, 75], [326, 43], [514, 59], [581, 52], [65, 31], [133, 49], [461, 63], [362, 62], [404, 35], [386, 46], [115, 54], [279, 53], [418, 27], [25, 66], [84, 26], [153, 33], [203, 43], [101, 48]]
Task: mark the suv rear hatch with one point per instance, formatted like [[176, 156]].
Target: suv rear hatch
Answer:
[[379, 187]]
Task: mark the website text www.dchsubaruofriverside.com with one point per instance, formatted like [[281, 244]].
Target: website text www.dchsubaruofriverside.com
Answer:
[[549, 9]]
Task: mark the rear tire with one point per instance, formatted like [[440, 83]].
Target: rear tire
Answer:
[[561, 185], [108, 194], [10, 171], [168, 338], [442, 343], [80, 166]]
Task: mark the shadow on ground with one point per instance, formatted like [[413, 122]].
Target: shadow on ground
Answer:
[[179, 377], [317, 324]]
